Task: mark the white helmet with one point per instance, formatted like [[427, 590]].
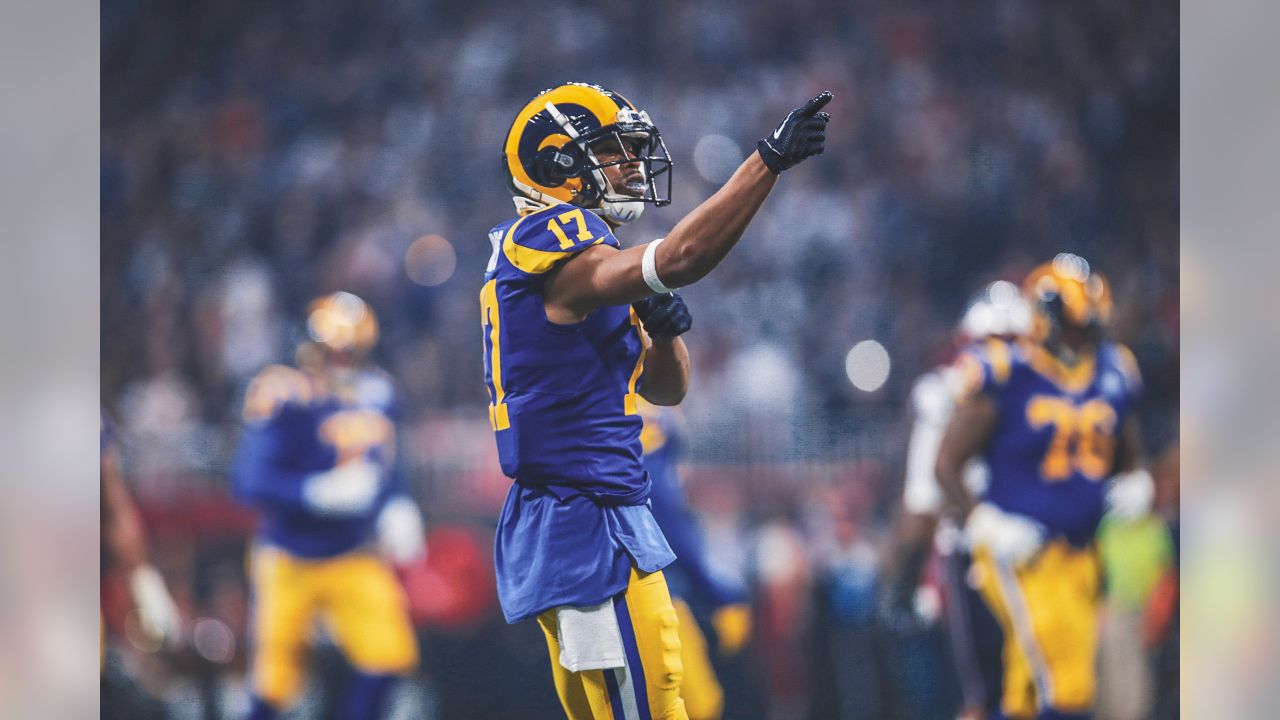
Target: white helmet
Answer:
[[997, 310]]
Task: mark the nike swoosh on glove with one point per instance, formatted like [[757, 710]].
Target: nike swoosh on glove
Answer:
[[801, 134]]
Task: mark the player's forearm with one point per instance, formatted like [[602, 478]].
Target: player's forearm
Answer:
[[666, 372], [121, 526], [967, 433], [950, 472], [125, 540], [273, 491], [1130, 454], [702, 239]]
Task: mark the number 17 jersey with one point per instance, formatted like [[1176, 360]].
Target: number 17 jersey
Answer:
[[563, 410], [562, 397]]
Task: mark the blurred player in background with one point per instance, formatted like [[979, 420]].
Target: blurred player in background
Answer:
[[1053, 417], [566, 361], [125, 544], [696, 591], [317, 459], [998, 311]]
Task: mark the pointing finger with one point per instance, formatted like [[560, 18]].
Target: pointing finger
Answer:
[[817, 103]]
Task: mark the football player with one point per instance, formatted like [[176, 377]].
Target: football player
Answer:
[[317, 459], [576, 329], [997, 311], [696, 591], [125, 542], [1053, 417]]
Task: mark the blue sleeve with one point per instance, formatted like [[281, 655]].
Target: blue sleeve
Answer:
[[680, 526], [984, 368], [1127, 366], [257, 477], [538, 242]]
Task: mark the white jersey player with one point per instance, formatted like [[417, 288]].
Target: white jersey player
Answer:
[[997, 311]]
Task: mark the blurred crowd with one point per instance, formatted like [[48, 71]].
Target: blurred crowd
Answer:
[[257, 155]]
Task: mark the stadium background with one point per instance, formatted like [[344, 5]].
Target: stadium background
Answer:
[[256, 155]]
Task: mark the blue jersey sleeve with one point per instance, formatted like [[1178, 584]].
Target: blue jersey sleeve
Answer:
[[984, 368], [1126, 367], [538, 242], [257, 475]]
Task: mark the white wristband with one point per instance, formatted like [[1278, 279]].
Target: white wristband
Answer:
[[649, 268]]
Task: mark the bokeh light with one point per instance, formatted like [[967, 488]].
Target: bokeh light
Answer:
[[430, 260], [867, 365], [715, 157], [213, 640]]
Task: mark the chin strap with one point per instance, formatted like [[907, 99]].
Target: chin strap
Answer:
[[525, 206]]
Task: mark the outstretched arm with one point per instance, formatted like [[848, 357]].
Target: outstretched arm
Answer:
[[123, 535], [121, 527], [602, 276]]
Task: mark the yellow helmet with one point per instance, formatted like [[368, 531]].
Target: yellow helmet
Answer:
[[1065, 291], [549, 158], [342, 322]]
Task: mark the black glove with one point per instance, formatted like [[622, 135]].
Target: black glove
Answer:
[[664, 316], [801, 134]]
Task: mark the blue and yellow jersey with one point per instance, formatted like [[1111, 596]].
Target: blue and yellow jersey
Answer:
[[563, 397], [690, 577], [1054, 442], [292, 430], [563, 409]]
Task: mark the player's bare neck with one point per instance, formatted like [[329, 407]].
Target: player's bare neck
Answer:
[[1072, 356]]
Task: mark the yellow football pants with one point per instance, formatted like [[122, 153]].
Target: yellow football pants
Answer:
[[1049, 612], [701, 691], [648, 688], [355, 594]]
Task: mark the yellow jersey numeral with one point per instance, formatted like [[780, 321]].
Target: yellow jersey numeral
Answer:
[[557, 224], [353, 433], [489, 318], [1083, 436], [630, 400]]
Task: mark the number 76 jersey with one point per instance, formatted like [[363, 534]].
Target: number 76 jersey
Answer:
[[562, 397], [1054, 442]]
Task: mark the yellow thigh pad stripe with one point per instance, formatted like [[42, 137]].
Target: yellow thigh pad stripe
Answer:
[[655, 627]]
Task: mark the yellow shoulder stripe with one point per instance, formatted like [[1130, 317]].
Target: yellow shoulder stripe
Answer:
[[271, 388], [531, 260], [998, 354]]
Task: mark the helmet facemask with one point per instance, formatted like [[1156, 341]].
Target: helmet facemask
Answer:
[[639, 142]]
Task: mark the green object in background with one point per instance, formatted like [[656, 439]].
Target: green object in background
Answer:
[[1135, 554]]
